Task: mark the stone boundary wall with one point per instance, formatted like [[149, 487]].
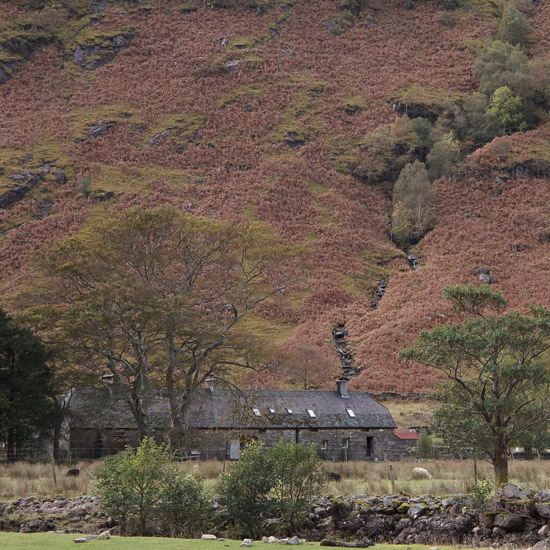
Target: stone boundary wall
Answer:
[[518, 517]]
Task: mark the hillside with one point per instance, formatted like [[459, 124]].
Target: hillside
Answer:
[[285, 112]]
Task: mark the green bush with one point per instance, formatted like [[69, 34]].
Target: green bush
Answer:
[[444, 155], [481, 125], [507, 109], [145, 494], [514, 27], [298, 477], [500, 64], [244, 490], [425, 446], [277, 481]]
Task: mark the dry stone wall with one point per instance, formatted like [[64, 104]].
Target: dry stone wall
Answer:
[[514, 516]]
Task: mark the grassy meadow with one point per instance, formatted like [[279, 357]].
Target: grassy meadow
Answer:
[[448, 476], [52, 541]]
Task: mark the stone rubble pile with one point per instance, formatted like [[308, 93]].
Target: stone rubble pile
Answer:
[[38, 514]]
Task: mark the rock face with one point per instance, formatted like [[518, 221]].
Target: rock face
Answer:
[[90, 56], [26, 180]]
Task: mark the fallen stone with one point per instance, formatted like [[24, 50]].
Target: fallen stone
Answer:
[[543, 531], [104, 535], [246, 542], [294, 540], [209, 537]]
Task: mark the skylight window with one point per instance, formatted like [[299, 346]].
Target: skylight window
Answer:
[[311, 413], [289, 411], [257, 412], [351, 413]]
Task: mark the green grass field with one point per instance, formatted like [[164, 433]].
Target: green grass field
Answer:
[[52, 541]]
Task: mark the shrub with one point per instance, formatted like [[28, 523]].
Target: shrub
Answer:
[[276, 481], [244, 490], [184, 509], [298, 477], [447, 18], [422, 127], [539, 72], [84, 184], [502, 64], [514, 27], [481, 125], [444, 154], [142, 491], [425, 446], [507, 109]]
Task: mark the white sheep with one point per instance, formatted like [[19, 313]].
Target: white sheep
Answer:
[[421, 473]]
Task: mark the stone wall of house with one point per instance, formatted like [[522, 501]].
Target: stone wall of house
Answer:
[[331, 444]]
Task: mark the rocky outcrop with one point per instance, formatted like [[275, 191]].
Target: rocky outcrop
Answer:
[[16, 50], [26, 180], [98, 50]]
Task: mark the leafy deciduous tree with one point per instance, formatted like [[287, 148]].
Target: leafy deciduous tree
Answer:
[[413, 199], [156, 297], [496, 363], [507, 109]]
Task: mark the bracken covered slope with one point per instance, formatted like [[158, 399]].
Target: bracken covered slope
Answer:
[[258, 113]]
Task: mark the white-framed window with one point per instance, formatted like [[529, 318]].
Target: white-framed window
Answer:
[[311, 413], [257, 412], [351, 413], [324, 444], [345, 443]]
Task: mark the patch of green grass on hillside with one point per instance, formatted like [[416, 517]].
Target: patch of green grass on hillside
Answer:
[[432, 101], [270, 330], [33, 161], [83, 119]]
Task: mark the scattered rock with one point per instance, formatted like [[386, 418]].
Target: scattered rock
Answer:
[[485, 275], [209, 537], [246, 542], [104, 535]]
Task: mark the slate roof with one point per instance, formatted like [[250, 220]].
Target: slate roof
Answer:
[[227, 409]]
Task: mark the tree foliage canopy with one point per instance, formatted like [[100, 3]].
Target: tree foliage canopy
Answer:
[[497, 368], [157, 298], [26, 396]]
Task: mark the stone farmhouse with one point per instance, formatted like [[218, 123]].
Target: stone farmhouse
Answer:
[[342, 424]]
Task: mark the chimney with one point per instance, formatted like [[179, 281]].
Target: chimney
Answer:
[[212, 383], [342, 388]]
